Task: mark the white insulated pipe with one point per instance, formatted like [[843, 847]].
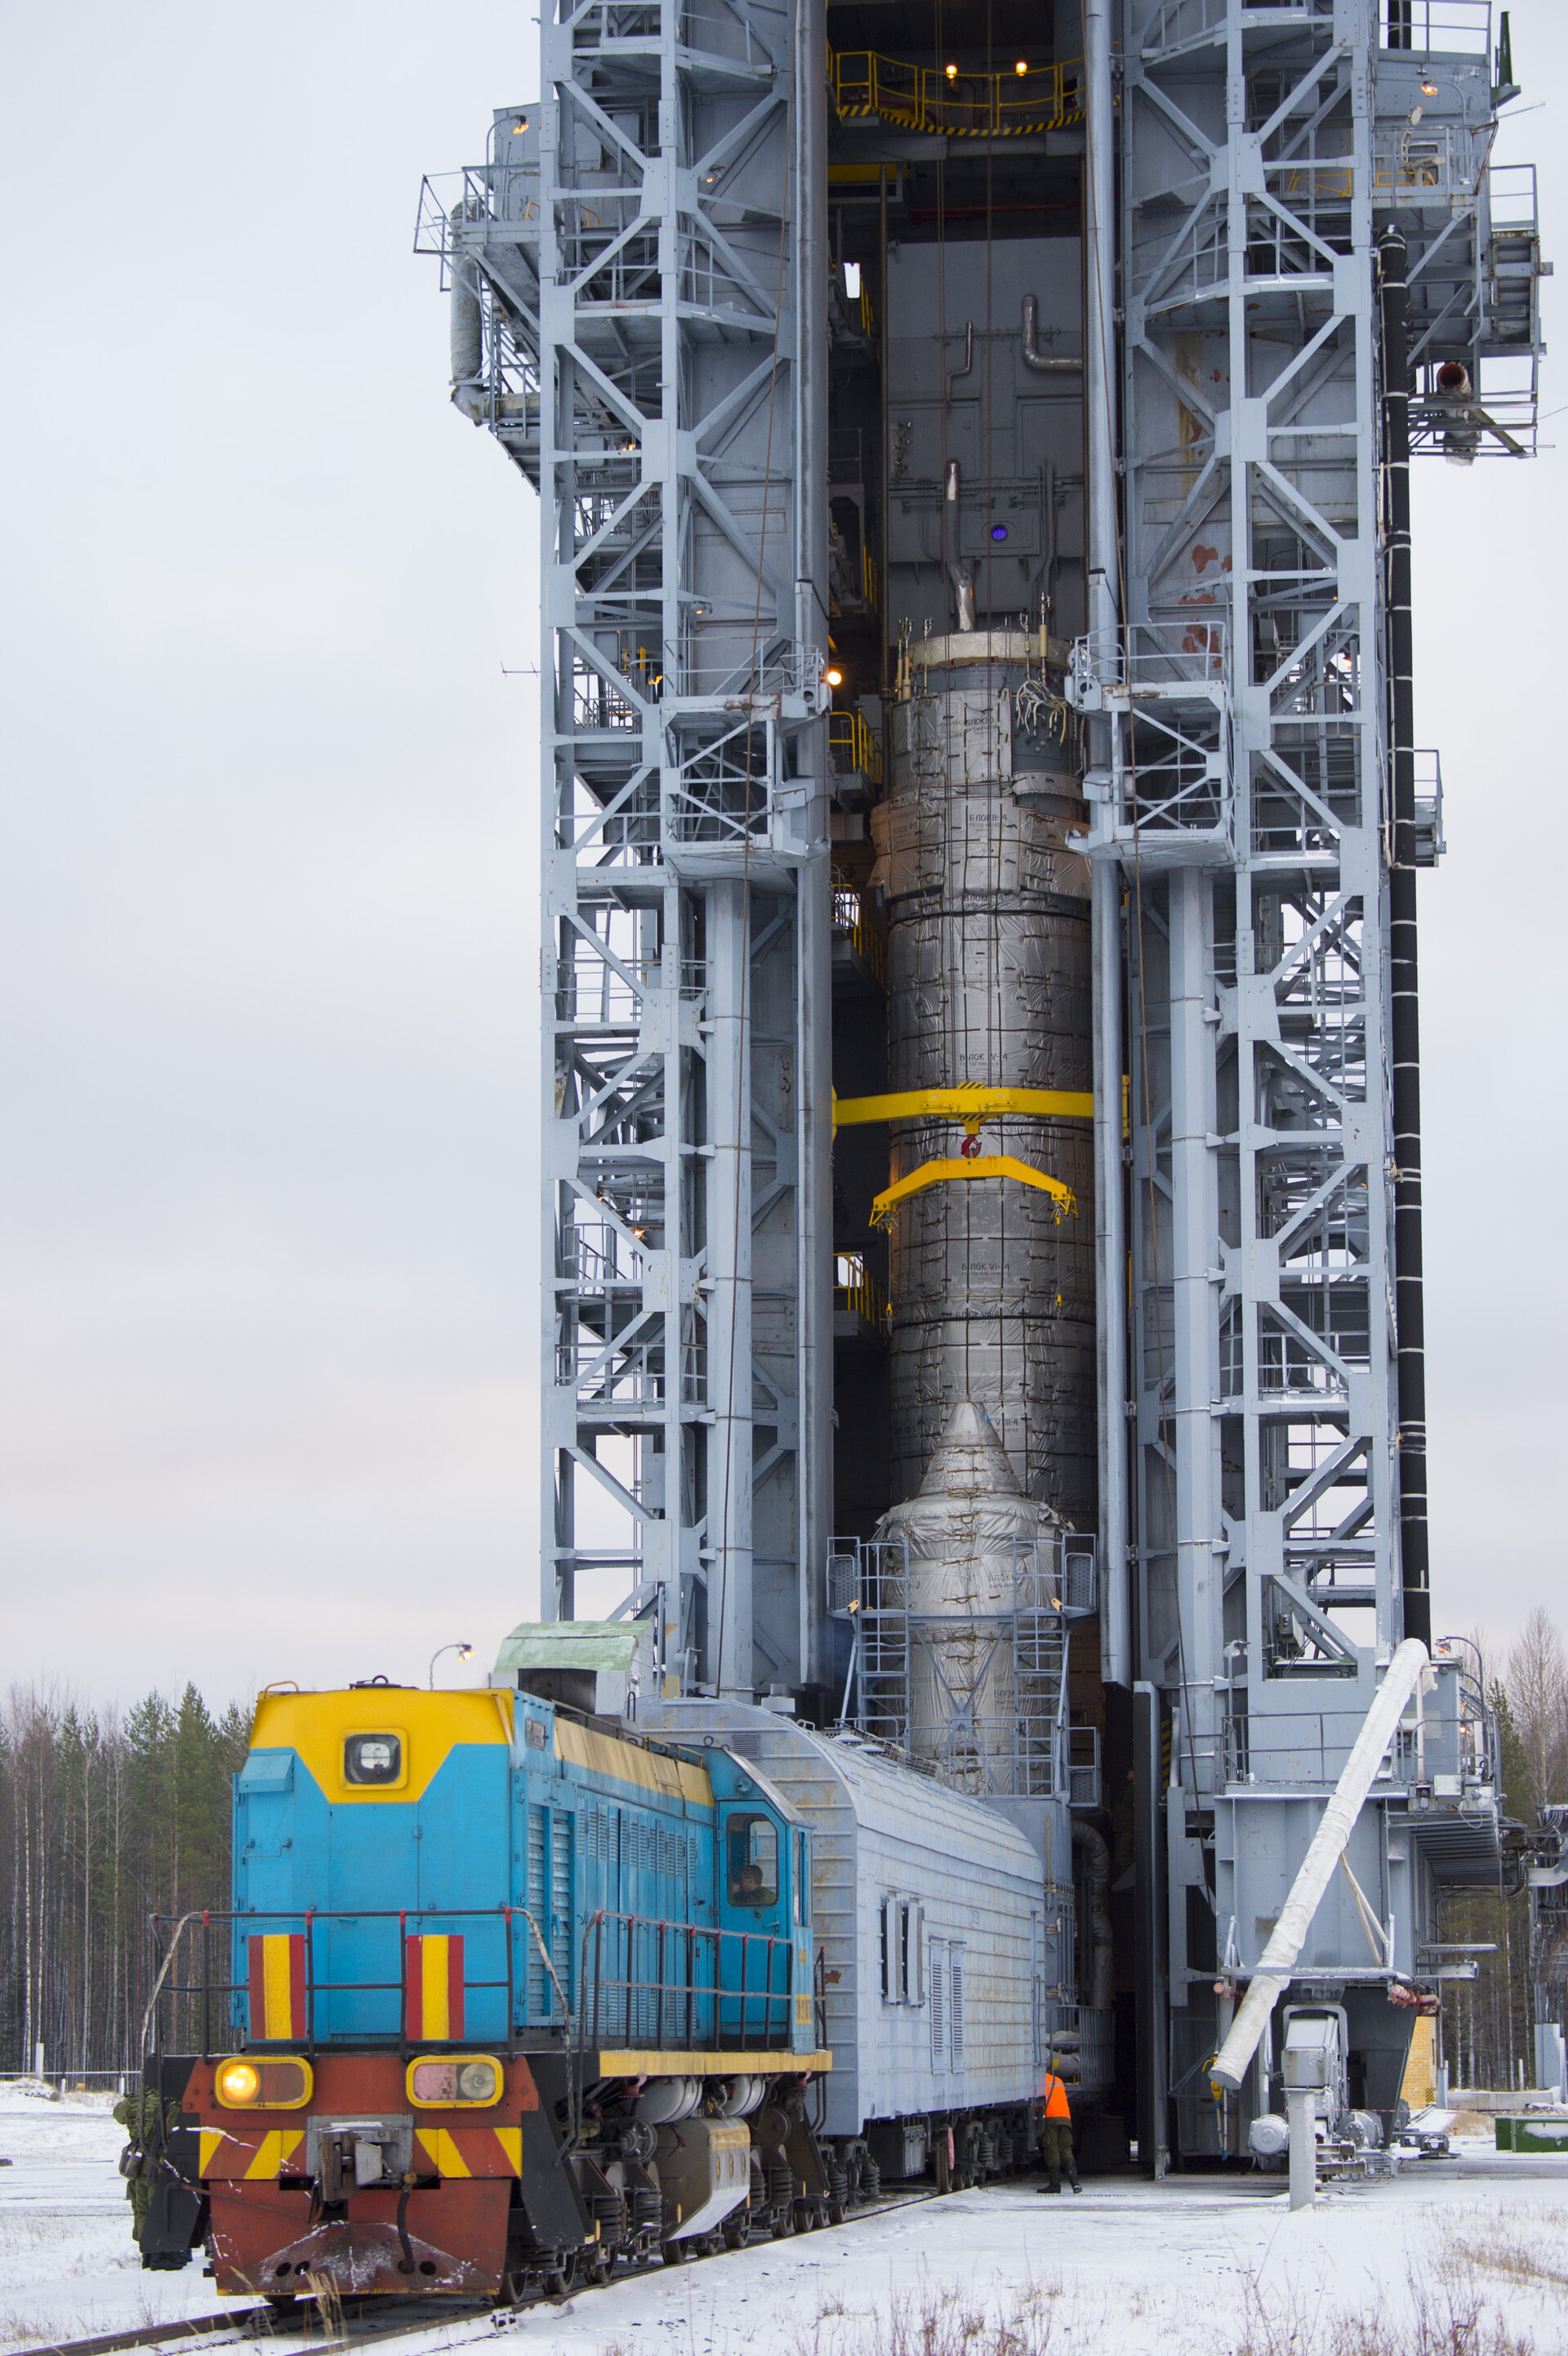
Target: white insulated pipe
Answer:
[[1401, 1679]]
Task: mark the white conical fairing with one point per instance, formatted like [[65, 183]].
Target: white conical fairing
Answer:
[[968, 1534]]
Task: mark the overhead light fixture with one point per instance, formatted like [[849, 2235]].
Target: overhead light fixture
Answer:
[[852, 281], [835, 677], [1429, 89], [521, 125], [952, 73], [1021, 68]]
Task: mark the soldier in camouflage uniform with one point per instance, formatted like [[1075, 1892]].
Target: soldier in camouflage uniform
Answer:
[[138, 2114]]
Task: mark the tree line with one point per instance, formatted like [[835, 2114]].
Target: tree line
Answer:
[[105, 1822], [1488, 2022]]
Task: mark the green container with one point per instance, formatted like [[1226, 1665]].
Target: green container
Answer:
[[1536, 2131]]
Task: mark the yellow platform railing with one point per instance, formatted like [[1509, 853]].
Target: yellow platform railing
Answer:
[[852, 746], [854, 1288], [849, 916], [954, 102]]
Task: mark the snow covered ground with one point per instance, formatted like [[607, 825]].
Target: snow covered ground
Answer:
[[1465, 2257]]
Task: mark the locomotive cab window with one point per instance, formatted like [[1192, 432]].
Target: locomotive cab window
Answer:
[[372, 1759], [752, 1866]]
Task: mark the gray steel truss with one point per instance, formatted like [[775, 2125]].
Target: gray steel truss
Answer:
[[1238, 715], [629, 272]]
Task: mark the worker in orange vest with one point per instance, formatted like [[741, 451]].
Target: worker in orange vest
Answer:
[[1056, 2134]]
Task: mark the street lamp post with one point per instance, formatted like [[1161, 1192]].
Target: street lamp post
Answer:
[[463, 1652]]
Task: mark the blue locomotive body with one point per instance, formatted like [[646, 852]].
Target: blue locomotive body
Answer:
[[512, 1996], [641, 1895]]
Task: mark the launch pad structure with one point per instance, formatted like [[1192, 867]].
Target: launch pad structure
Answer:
[[980, 821]]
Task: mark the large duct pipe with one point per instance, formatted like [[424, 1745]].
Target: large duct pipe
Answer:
[[1401, 1679], [467, 327], [1097, 1888]]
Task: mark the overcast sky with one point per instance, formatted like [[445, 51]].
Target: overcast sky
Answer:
[[269, 961]]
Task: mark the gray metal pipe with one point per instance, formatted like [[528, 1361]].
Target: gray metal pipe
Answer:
[[1047, 363], [1105, 604], [1401, 1679]]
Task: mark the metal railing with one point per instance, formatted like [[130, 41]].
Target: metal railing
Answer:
[[851, 747], [682, 1987], [855, 1289], [1305, 1747], [849, 916], [952, 102], [169, 1932], [1442, 28], [667, 1984]]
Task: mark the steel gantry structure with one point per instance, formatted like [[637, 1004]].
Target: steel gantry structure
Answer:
[[629, 271], [1069, 374], [1305, 218]]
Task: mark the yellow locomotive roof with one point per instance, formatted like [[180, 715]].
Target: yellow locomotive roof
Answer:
[[430, 1726]]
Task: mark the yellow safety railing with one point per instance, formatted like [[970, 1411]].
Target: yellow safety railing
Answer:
[[852, 746], [956, 104], [849, 916], [854, 1288]]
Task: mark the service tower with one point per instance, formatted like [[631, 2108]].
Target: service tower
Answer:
[[981, 814]]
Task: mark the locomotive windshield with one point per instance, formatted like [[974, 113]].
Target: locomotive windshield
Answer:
[[753, 1871]]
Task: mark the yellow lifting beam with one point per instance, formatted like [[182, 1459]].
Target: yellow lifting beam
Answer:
[[971, 1105], [984, 1165]]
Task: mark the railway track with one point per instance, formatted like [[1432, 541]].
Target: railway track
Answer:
[[366, 2320]]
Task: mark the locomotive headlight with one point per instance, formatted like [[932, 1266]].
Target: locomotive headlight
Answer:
[[264, 2084], [238, 2084], [454, 2081]]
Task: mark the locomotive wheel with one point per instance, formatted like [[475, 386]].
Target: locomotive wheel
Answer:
[[784, 2219], [836, 2212], [804, 2217], [737, 2232], [675, 2254], [598, 2271]]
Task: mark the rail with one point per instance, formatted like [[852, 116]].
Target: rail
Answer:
[[303, 1990], [851, 746], [681, 1986], [856, 1289], [952, 101], [849, 916], [1437, 27], [674, 1984]]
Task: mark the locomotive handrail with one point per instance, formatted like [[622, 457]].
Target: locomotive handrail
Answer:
[[689, 1975], [680, 1986], [307, 1918]]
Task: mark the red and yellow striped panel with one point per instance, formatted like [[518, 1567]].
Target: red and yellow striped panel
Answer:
[[256, 2155], [470, 2151], [277, 1988], [434, 1977]]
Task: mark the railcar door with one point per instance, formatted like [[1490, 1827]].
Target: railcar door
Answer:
[[755, 1947]]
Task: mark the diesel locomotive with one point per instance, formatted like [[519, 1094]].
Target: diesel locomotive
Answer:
[[510, 1994]]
